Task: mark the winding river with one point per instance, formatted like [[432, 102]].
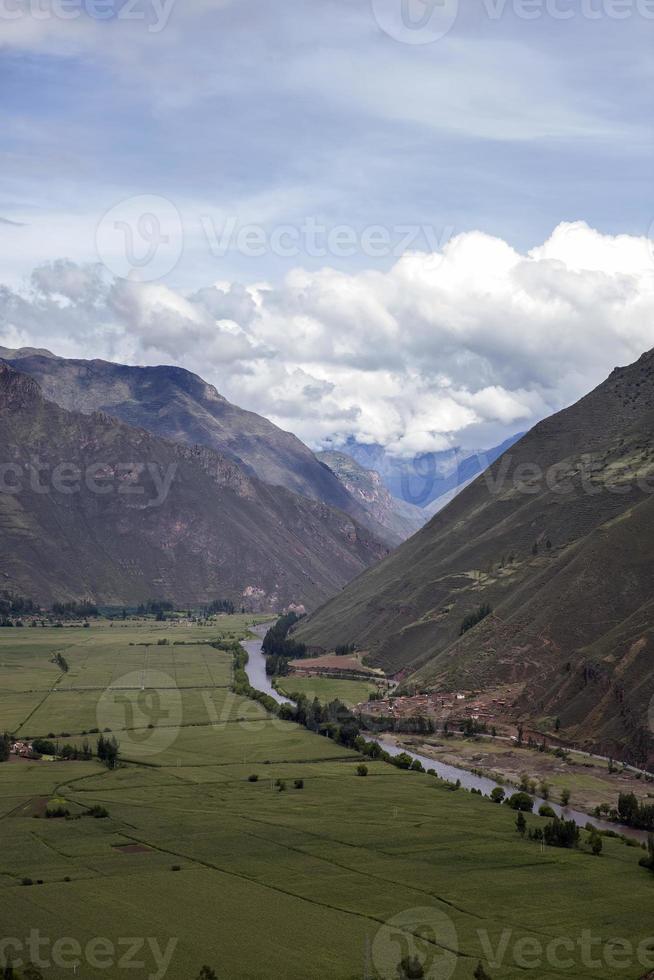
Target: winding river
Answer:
[[259, 679]]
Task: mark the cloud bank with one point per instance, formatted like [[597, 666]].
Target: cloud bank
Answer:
[[457, 347]]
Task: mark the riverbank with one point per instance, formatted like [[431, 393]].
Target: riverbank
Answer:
[[259, 680], [590, 782]]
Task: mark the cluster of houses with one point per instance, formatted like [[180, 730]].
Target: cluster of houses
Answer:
[[24, 750], [438, 705]]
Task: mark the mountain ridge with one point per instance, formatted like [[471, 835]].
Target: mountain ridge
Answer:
[[94, 508], [178, 405], [556, 536]]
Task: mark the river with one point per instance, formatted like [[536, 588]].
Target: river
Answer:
[[259, 679]]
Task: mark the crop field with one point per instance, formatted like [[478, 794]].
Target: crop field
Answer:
[[327, 689], [331, 877]]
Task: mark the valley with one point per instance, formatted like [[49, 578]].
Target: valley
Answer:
[[235, 838]]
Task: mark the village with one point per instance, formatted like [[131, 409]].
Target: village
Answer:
[[488, 710]]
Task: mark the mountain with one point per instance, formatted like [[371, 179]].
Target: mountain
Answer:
[[178, 405], [93, 508], [557, 537], [366, 486], [428, 480]]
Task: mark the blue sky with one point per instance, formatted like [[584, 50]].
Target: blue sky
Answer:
[[274, 114]]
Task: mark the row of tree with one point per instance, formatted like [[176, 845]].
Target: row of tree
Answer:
[[276, 642]]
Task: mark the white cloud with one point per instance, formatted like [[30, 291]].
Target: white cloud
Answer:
[[441, 348]]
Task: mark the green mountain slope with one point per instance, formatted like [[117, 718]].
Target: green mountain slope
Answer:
[[558, 538], [91, 507]]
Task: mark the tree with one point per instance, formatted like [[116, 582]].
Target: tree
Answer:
[[475, 617], [362, 769], [565, 797], [595, 842], [5, 745], [410, 968], [561, 833], [497, 794], [521, 823], [521, 801]]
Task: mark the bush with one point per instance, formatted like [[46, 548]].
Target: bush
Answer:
[[299, 784], [57, 812], [99, 812], [44, 746], [26, 881], [253, 778], [362, 769], [521, 801], [497, 795], [545, 810]]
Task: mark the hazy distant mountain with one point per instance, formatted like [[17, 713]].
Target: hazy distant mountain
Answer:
[[424, 479], [366, 487], [178, 405], [565, 560], [91, 507]]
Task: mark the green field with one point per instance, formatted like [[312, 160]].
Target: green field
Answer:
[[305, 884], [327, 689]]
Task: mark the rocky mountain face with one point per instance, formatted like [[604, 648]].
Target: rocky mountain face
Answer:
[[177, 405], [93, 508], [368, 490], [557, 537]]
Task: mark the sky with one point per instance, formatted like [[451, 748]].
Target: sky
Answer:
[[416, 223]]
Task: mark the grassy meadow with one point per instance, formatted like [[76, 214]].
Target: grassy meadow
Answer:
[[332, 881], [327, 689]]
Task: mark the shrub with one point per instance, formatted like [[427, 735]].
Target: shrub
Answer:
[[521, 801], [545, 810], [362, 769], [497, 795], [253, 778], [26, 881], [99, 812], [57, 812], [299, 784]]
